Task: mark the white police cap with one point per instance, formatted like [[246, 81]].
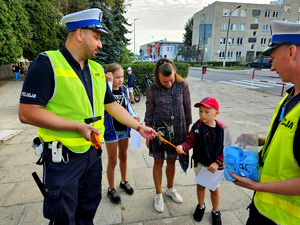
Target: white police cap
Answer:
[[86, 19], [283, 33], [129, 69]]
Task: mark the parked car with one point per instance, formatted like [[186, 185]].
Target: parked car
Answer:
[[261, 63], [147, 59]]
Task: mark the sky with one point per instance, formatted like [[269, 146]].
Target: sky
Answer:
[[164, 19]]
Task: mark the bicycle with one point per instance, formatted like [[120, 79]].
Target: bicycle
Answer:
[[145, 83], [136, 93]]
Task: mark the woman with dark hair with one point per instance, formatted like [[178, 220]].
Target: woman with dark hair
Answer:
[[168, 108]]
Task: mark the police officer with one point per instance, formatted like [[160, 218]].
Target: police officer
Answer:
[[64, 95], [277, 196]]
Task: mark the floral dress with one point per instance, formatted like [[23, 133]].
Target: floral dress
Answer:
[[159, 109]]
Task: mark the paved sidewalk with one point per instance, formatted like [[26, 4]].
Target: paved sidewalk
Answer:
[[21, 201]]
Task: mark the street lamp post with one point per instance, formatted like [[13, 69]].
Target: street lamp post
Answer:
[[134, 35], [226, 41]]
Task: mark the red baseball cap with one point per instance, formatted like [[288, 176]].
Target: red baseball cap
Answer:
[[209, 103]]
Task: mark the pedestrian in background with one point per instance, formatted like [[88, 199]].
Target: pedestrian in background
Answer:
[[130, 84], [65, 94], [208, 137], [277, 194], [116, 134], [168, 109], [16, 69]]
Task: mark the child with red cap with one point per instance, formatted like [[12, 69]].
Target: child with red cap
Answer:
[[207, 140]]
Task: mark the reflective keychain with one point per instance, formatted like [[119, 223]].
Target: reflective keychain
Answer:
[[281, 114]]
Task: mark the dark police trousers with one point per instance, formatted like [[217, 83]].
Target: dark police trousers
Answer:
[[74, 187]]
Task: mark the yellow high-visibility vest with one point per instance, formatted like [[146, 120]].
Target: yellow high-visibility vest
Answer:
[[279, 164], [70, 101]]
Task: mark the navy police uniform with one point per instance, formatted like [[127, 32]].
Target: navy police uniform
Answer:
[[73, 186]]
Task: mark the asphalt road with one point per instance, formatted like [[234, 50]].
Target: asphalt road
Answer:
[[263, 80]]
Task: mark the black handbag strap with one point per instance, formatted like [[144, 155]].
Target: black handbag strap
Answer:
[[173, 101]]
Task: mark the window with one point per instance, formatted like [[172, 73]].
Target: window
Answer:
[[167, 48], [242, 27], [263, 41], [231, 41], [230, 54], [254, 33], [253, 46], [255, 13], [287, 8], [222, 41], [267, 13], [298, 20], [244, 12], [275, 14], [235, 13], [224, 26], [256, 20], [239, 41], [238, 55], [266, 27], [270, 39], [202, 17], [285, 20], [233, 26], [226, 12], [221, 54]]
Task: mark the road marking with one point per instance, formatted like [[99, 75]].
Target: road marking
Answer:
[[256, 83], [237, 84], [249, 83]]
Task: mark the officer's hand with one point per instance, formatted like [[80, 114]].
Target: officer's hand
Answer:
[[245, 139], [244, 181], [147, 132], [85, 130]]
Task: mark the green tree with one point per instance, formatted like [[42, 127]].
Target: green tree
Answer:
[[43, 22], [189, 53], [188, 35], [15, 30], [64, 7], [113, 21]]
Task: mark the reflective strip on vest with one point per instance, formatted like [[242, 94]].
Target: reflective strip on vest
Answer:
[[279, 164], [75, 107]]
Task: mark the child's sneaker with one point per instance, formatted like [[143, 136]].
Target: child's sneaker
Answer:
[[198, 214], [159, 203], [174, 195], [216, 217], [113, 196], [127, 187]]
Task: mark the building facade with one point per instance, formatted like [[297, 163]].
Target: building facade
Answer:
[[160, 49], [241, 31]]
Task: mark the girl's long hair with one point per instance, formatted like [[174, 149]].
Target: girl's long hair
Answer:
[[165, 67]]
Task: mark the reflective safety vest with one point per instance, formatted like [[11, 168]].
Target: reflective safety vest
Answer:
[[70, 101], [279, 164]]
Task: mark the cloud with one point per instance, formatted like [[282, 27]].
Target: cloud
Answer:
[[160, 19]]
